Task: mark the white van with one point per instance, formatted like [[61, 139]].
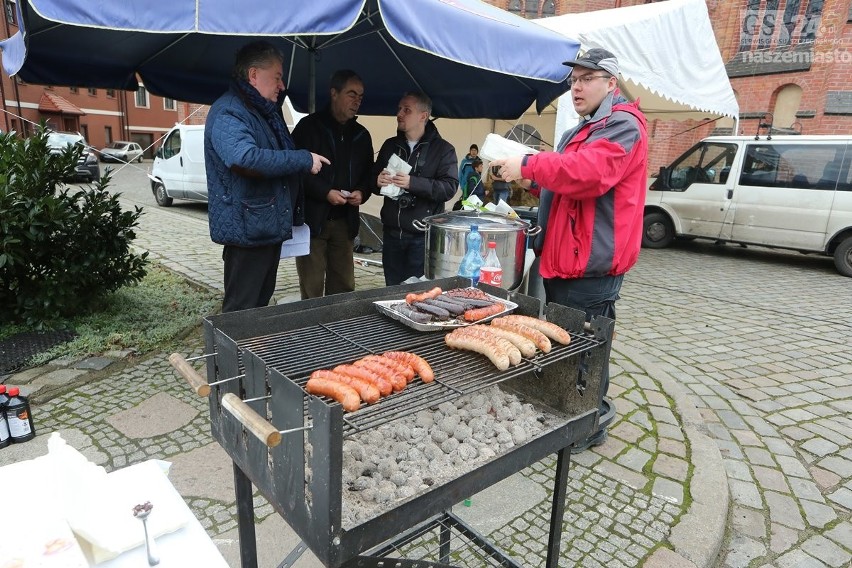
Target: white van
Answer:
[[790, 192], [178, 170]]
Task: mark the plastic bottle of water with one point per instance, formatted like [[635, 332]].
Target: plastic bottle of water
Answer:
[[472, 261], [491, 271]]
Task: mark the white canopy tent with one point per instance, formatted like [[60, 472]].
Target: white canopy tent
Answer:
[[668, 56]]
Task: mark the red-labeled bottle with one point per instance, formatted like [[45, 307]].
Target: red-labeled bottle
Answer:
[[491, 272], [5, 439], [19, 416]]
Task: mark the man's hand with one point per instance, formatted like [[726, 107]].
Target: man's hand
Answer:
[[385, 178], [318, 161], [401, 180], [355, 198], [335, 197], [510, 168]]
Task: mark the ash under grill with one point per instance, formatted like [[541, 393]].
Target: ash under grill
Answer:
[[297, 353]]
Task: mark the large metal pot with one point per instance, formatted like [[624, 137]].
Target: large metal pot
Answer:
[[445, 242]]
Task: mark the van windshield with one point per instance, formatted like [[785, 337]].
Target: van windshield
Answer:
[[706, 162]]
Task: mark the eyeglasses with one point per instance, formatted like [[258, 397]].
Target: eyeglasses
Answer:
[[585, 80]]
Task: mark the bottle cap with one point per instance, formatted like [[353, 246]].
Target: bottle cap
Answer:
[[14, 391], [492, 245], [2, 389], [474, 227]]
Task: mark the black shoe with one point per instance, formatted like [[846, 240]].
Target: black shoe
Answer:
[[590, 442]]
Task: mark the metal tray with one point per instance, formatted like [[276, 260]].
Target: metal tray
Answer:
[[386, 307]]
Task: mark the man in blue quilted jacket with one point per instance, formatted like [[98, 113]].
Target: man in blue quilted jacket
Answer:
[[253, 170]]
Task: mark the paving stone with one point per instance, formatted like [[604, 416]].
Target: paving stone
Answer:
[[59, 377], [817, 514], [824, 478], [672, 447], [784, 510], [745, 493], [806, 489], [759, 456], [820, 447], [738, 470], [838, 465], [94, 363], [627, 432], [750, 522], [842, 496], [782, 538], [671, 467], [670, 431], [841, 534], [635, 480], [744, 550], [156, 415], [747, 438], [768, 478], [668, 489], [825, 550]]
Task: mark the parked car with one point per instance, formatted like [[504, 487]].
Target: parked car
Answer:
[[788, 192], [178, 171], [121, 151], [87, 165]]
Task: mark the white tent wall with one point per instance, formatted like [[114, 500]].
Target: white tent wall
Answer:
[[668, 56]]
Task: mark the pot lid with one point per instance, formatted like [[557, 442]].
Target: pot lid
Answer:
[[462, 220]]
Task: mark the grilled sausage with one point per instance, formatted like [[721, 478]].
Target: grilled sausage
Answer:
[[400, 368], [541, 341], [482, 313], [467, 293], [483, 332], [551, 330], [439, 313], [397, 380], [525, 346], [476, 303], [416, 362], [484, 346], [433, 293], [368, 392], [413, 315], [385, 386], [453, 309], [344, 394]]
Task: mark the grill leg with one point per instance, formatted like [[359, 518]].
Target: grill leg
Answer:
[[557, 511], [444, 543], [245, 519]]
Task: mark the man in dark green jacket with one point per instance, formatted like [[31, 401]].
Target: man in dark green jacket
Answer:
[[332, 198]]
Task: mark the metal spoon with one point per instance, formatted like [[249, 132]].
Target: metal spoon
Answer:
[[141, 512]]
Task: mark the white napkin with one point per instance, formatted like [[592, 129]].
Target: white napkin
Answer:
[[299, 244], [396, 165]]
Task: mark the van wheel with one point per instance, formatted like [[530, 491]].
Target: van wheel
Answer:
[[657, 231], [160, 195], [843, 257]]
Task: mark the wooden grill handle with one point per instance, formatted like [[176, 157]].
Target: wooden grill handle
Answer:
[[264, 431], [185, 370]]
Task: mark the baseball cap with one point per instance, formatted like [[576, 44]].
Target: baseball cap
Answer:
[[598, 59]]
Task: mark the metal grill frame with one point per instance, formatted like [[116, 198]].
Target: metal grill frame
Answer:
[[569, 385]]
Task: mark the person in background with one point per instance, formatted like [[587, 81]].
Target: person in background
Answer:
[[465, 169], [431, 182], [500, 188], [474, 181], [333, 196], [592, 191], [253, 170]]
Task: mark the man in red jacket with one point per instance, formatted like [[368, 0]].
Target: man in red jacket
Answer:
[[592, 195]]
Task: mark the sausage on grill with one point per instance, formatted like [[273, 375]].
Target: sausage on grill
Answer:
[[368, 392], [483, 332], [541, 341], [344, 394], [397, 380], [482, 313], [525, 346], [385, 386], [416, 362], [401, 368], [551, 330], [486, 346]]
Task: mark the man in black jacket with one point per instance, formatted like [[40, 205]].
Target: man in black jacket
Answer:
[[432, 181], [332, 198]]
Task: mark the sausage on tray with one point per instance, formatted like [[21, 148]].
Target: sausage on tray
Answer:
[[453, 308], [486, 346], [477, 314], [416, 362], [467, 293], [412, 314], [541, 341], [384, 385], [368, 392], [344, 394], [438, 313], [526, 346], [433, 293], [397, 380], [400, 368], [483, 332], [551, 330]]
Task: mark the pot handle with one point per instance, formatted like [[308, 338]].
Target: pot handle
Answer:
[[533, 231], [420, 225]]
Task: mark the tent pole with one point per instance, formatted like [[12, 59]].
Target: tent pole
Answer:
[[312, 83]]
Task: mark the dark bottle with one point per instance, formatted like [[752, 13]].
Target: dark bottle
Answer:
[[20, 418], [5, 439]]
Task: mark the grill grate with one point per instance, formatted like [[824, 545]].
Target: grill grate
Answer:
[[297, 353]]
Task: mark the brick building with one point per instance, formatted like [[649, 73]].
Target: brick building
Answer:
[[100, 115]]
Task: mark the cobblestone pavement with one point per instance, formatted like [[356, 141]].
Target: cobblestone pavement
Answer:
[[731, 373]]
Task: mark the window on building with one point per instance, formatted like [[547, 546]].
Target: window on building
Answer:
[[548, 8], [169, 104], [515, 7], [525, 134], [93, 92], [531, 8], [11, 12], [786, 106], [74, 90], [141, 97], [108, 134], [84, 130], [110, 93]]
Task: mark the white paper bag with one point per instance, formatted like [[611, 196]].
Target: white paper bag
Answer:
[[299, 245], [396, 165]]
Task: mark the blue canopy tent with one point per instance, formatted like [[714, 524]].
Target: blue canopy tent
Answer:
[[474, 60]]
